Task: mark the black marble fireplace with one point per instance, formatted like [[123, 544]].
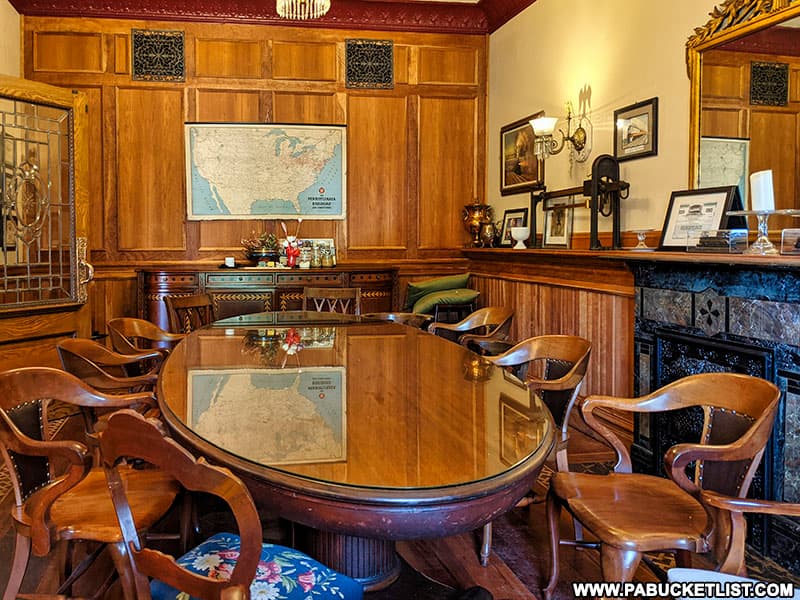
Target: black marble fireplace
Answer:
[[703, 316]]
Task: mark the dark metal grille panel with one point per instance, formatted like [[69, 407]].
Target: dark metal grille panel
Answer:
[[369, 64], [158, 55], [769, 83]]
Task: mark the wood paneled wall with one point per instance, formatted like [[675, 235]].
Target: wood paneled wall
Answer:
[[416, 152]]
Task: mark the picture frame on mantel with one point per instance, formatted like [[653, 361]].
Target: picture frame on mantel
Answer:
[[691, 212], [520, 169], [513, 217], [557, 223], [636, 130]]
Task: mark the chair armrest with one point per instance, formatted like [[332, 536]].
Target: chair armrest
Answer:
[[750, 505]]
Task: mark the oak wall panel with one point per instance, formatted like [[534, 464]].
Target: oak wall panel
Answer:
[[68, 52], [150, 169], [377, 135], [447, 177], [448, 66], [227, 106], [305, 107], [316, 62], [228, 58]]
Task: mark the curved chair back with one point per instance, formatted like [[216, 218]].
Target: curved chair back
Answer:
[[131, 435], [130, 335], [490, 322], [187, 313], [106, 370], [554, 366], [342, 300]]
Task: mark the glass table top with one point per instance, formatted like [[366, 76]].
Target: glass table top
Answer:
[[348, 401]]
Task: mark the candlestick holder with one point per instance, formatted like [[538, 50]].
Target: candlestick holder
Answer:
[[762, 246]]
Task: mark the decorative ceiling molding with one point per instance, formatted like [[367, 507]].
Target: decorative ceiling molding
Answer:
[[428, 17]]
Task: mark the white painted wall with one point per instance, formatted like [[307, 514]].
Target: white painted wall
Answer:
[[625, 51], [9, 40]]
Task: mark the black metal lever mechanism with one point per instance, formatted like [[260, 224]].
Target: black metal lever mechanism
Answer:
[[604, 190]]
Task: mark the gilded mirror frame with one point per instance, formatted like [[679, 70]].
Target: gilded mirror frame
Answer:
[[729, 21]]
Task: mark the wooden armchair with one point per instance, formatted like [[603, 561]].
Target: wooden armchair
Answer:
[[109, 371], [132, 336], [631, 513], [131, 435], [552, 366], [58, 495], [329, 299], [489, 323], [187, 313]]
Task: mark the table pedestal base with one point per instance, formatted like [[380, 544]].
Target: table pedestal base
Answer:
[[375, 564]]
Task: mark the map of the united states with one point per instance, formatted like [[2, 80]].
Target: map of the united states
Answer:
[[242, 171]]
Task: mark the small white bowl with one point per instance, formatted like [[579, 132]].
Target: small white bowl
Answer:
[[520, 234]]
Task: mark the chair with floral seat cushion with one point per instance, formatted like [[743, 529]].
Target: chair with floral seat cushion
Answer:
[[225, 563]]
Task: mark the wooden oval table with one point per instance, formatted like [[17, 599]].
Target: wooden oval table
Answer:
[[366, 432]]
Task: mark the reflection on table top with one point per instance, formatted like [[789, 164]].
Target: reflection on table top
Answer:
[[342, 401]]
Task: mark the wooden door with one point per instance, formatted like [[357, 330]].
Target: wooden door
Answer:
[[43, 222]]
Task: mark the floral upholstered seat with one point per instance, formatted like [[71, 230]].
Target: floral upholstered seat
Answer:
[[282, 572]]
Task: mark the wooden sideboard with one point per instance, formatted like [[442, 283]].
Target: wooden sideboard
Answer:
[[242, 291]]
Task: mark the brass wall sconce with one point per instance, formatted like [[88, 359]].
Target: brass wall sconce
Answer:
[[545, 145]]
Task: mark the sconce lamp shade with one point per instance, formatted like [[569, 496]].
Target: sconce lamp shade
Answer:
[[544, 125], [302, 9]]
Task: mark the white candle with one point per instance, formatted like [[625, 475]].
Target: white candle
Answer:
[[761, 194]]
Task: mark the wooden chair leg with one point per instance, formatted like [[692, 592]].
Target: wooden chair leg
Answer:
[[617, 564], [121, 560], [553, 514], [486, 544], [19, 564]]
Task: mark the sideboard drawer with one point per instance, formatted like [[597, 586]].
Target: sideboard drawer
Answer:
[[228, 280], [304, 279]]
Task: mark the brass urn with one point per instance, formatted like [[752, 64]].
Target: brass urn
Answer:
[[474, 216]]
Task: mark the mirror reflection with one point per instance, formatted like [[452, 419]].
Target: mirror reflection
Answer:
[[750, 113]]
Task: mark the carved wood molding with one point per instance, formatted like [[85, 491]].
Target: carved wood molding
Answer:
[[731, 14], [476, 19]]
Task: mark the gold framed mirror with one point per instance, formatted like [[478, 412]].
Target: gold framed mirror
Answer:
[[744, 71]]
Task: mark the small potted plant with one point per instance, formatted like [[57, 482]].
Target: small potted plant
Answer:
[[261, 247]]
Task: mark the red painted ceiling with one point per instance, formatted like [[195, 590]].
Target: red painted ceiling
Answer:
[[420, 16]]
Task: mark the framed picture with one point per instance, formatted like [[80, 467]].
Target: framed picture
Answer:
[[636, 130], [520, 169], [557, 223], [690, 212], [265, 171], [515, 217]]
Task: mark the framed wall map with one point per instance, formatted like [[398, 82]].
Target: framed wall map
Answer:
[[265, 170]]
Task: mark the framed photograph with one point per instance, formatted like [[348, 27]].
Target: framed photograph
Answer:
[[516, 217], [557, 223], [790, 241], [520, 169], [690, 212], [636, 130], [265, 171]]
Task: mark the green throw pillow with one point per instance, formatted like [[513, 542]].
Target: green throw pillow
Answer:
[[460, 296], [417, 289]]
